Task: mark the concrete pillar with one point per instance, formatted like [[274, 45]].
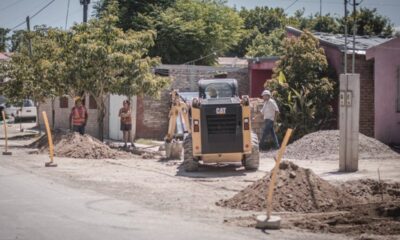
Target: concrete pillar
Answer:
[[349, 119]]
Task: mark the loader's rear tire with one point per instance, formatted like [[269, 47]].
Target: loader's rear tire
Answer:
[[252, 161], [189, 162]]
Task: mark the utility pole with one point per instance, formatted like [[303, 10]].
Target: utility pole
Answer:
[[28, 26], [354, 36], [320, 8], [345, 36], [85, 4]]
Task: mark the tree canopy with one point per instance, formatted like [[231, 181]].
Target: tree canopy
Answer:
[[187, 29], [267, 45], [306, 96], [3, 39], [101, 59]]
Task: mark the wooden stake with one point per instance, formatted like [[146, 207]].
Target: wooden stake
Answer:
[[50, 139], [275, 171], [6, 152]]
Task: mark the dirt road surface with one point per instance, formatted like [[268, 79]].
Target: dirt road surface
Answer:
[[149, 190]]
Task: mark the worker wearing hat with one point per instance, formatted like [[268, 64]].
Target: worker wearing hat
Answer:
[[78, 117], [270, 112]]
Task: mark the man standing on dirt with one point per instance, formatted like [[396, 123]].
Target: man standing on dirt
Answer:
[[126, 121], [270, 113], [78, 117]]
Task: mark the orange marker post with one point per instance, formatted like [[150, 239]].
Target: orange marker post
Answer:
[[50, 139], [6, 152]]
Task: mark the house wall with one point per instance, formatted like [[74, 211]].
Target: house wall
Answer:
[[259, 74], [152, 113], [62, 116], [367, 110], [387, 118], [365, 68]]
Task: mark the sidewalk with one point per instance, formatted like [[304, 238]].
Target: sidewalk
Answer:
[[14, 132]]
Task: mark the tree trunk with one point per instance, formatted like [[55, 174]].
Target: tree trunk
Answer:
[[53, 113], [37, 105], [101, 112]]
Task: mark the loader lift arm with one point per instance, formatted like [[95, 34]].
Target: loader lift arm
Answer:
[[178, 118]]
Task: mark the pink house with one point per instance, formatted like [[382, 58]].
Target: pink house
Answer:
[[377, 61], [386, 57]]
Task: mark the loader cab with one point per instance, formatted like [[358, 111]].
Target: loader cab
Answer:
[[218, 88], [221, 127]]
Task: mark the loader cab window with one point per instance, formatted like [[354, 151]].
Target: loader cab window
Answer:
[[218, 90]]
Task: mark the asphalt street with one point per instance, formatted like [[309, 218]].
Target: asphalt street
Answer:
[[37, 208]]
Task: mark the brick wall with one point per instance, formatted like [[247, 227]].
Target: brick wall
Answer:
[[152, 113], [367, 110], [62, 116]]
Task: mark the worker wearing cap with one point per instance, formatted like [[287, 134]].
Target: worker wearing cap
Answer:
[[270, 112], [78, 117]]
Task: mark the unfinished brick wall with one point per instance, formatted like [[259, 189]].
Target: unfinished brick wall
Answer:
[[367, 110], [152, 114]]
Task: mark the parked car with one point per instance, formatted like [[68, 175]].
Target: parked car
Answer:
[[27, 111]]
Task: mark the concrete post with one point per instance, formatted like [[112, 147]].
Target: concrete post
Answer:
[[349, 119]]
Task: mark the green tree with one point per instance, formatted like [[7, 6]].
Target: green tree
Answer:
[[17, 38], [306, 96], [271, 45], [193, 29], [34, 76], [186, 29], [103, 59], [131, 12], [369, 22], [325, 23], [264, 18], [3, 39]]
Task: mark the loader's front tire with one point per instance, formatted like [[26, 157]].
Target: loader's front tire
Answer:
[[252, 161], [189, 162]]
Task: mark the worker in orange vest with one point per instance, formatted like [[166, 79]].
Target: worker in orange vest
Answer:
[[78, 117]]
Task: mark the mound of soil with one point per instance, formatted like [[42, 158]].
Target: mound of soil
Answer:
[[297, 190], [374, 218], [320, 144], [74, 145], [369, 190]]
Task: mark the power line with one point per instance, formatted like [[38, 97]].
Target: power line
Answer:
[[294, 2], [34, 15], [66, 18], [43, 8], [10, 5]]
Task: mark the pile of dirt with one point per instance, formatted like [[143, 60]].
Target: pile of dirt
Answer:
[[369, 190], [321, 144], [74, 145], [297, 190], [373, 218]]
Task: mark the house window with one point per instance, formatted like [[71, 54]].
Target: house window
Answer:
[[92, 103], [398, 89], [63, 102]]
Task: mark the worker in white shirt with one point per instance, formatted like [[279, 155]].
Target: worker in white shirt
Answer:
[[270, 113]]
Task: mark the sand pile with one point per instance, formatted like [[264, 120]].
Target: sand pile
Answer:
[[74, 145], [322, 144], [297, 190]]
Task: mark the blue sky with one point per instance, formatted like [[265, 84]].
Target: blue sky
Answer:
[[13, 12]]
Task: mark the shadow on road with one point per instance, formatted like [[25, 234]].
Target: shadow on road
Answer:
[[213, 171]]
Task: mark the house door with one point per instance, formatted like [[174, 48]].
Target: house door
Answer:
[[114, 121]]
